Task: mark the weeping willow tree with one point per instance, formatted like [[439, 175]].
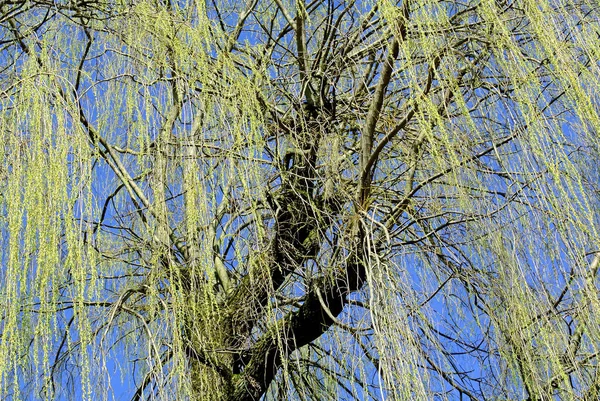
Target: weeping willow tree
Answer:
[[300, 200]]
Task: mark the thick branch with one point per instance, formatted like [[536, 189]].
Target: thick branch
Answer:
[[376, 107], [296, 330]]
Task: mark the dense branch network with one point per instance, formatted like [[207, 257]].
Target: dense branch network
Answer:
[[300, 200]]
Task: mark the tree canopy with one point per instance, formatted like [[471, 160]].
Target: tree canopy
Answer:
[[299, 200]]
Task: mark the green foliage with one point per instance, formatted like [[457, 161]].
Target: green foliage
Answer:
[[300, 200]]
